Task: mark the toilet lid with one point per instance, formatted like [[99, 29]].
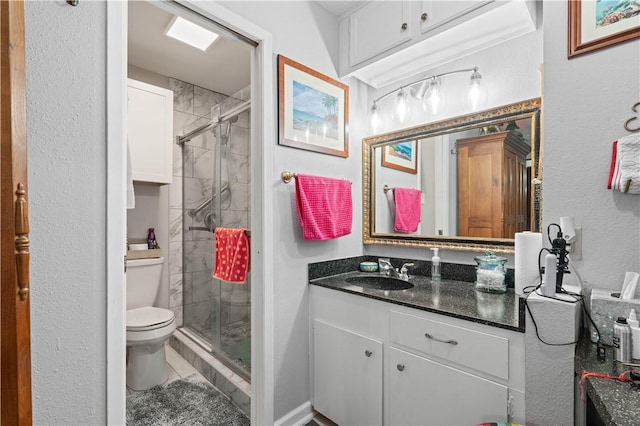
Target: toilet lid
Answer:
[[148, 316]]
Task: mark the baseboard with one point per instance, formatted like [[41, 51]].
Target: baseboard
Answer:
[[297, 417]]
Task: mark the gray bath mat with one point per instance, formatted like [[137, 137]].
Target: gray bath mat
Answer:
[[187, 401]]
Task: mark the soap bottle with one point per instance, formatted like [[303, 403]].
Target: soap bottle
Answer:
[[634, 325], [151, 239], [435, 265]]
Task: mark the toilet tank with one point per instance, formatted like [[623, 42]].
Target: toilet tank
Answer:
[[143, 281]]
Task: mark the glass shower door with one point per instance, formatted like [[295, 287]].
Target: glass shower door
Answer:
[[217, 178]]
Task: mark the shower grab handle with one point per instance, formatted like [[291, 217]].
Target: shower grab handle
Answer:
[[199, 228], [208, 201], [203, 228]]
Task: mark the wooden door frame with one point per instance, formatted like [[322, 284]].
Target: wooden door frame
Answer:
[[15, 354], [263, 130]]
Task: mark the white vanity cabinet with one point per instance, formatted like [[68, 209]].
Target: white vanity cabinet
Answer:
[[454, 366], [461, 373], [150, 132], [427, 392], [348, 375]]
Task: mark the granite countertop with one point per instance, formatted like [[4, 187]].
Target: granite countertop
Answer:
[[617, 403], [456, 299]]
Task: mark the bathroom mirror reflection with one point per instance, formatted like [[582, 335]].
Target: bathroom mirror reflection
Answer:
[[478, 177]]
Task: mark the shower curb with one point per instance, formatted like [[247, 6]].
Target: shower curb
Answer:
[[228, 382]]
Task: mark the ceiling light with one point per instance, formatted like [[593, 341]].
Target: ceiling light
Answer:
[[190, 33]]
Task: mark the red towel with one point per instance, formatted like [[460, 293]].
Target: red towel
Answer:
[[324, 205], [612, 166], [407, 203], [232, 255]]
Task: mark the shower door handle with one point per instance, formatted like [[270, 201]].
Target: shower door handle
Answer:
[[199, 228]]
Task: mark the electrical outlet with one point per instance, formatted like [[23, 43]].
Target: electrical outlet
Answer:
[[576, 246]]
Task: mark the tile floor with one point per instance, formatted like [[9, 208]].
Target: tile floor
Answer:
[[176, 367]]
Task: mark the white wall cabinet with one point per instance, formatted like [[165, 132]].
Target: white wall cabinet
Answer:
[[345, 365], [436, 13], [378, 27], [383, 42], [150, 132], [426, 381]]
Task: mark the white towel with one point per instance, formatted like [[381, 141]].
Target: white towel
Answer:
[[629, 285], [629, 167], [131, 196]]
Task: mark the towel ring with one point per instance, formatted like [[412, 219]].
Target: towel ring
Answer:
[[627, 124]]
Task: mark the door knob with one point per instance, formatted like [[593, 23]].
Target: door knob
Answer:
[[424, 16], [404, 26], [368, 353], [400, 367]]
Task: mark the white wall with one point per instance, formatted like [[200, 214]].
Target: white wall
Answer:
[[587, 99], [66, 107], [308, 34]]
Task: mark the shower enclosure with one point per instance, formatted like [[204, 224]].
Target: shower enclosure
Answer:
[[216, 193]]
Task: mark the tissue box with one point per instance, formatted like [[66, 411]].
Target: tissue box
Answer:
[[605, 309]]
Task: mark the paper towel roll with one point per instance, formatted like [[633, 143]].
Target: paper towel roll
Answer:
[[528, 246]]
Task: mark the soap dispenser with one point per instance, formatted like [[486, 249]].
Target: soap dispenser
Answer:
[[435, 265]]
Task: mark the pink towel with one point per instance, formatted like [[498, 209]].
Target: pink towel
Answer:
[[232, 255], [407, 203], [324, 207]]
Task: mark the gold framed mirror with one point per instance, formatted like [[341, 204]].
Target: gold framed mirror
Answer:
[[479, 177]]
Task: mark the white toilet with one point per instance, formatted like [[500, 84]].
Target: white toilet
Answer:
[[148, 327]]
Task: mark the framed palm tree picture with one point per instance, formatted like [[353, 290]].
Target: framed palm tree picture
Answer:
[[313, 110]]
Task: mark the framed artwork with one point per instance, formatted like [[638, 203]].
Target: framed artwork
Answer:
[[594, 24], [313, 110], [401, 156]]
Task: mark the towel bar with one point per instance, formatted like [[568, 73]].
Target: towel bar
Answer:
[[287, 176], [202, 228]]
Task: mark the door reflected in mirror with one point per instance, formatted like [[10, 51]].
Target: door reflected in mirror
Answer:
[[474, 174]]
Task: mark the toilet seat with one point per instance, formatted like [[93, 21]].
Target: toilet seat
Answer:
[[148, 318]]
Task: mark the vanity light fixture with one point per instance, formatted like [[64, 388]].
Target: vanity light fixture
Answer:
[[431, 94], [190, 33]]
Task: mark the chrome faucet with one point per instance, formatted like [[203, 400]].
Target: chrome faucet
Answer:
[[404, 271], [386, 268]]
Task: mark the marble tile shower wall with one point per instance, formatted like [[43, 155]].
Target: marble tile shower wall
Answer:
[[191, 291]]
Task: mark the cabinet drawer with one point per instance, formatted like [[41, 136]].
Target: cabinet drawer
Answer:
[[481, 351]]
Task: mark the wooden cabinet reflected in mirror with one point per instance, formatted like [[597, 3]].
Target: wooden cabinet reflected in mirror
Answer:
[[475, 175]]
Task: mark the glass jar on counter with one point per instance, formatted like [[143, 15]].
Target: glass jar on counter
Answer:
[[490, 273]]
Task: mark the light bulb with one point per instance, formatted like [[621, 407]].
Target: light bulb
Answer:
[[433, 101], [375, 120], [477, 97], [401, 107]]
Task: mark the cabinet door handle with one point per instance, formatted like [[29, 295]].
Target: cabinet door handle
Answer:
[[450, 341], [400, 367], [424, 16], [404, 26], [368, 353]]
